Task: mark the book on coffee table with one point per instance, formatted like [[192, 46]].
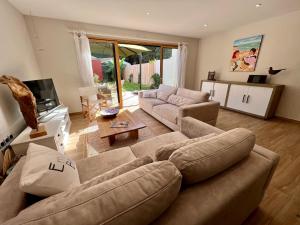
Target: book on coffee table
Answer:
[[119, 124]]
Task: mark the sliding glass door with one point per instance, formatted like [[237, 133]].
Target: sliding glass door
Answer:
[[121, 69], [105, 71]]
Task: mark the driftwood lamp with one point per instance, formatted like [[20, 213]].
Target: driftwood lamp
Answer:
[[26, 102]]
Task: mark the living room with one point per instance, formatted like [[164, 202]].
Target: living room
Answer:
[[174, 112]]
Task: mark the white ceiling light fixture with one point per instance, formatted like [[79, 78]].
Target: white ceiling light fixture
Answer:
[[205, 25], [148, 13], [258, 5]]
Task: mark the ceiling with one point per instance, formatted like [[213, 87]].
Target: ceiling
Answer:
[[176, 17]]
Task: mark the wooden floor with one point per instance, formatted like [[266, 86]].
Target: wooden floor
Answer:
[[281, 204]]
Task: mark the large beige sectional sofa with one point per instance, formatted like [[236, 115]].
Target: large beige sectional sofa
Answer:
[[219, 180], [169, 104]]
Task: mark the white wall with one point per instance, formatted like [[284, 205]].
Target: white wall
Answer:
[[17, 59], [280, 49], [58, 59]]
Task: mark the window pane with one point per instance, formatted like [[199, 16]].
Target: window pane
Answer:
[[170, 71], [105, 72]]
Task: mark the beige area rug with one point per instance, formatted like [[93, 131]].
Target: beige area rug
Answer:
[[89, 143]]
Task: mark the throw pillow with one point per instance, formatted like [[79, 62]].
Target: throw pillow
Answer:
[[149, 94], [164, 152], [179, 100], [206, 158], [47, 172], [137, 197], [198, 96], [164, 91]]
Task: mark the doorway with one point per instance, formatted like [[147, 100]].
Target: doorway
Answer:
[[122, 68]]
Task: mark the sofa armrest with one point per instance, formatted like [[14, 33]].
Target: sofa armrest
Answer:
[[193, 128], [206, 111], [269, 155], [141, 93]]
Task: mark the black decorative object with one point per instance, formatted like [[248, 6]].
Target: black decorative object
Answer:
[[258, 79], [211, 75], [274, 72]]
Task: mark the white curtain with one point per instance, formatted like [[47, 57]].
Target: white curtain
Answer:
[[84, 58], [181, 58]]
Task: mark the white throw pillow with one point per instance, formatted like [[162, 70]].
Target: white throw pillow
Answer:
[[47, 172]]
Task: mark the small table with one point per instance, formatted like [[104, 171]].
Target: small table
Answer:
[[106, 131]]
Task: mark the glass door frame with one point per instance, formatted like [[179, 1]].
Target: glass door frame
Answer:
[[116, 42]]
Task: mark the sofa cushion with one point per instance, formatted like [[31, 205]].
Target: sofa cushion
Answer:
[[179, 100], [148, 103], [12, 199], [164, 91], [96, 165], [137, 197], [121, 170], [207, 158], [198, 96], [150, 146], [165, 151], [167, 111], [47, 172], [150, 94]]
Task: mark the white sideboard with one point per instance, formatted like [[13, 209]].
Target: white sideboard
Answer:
[[57, 125], [260, 100]]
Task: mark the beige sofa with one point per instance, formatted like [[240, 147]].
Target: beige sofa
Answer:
[[169, 104], [225, 198]]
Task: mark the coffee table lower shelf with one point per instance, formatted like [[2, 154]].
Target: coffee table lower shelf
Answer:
[[133, 134]]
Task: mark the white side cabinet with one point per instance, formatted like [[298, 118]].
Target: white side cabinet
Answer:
[[57, 125], [260, 100], [217, 91]]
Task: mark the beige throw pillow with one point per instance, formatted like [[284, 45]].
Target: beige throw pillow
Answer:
[[47, 172], [149, 94], [164, 152], [206, 158], [164, 91], [136, 198], [179, 100]]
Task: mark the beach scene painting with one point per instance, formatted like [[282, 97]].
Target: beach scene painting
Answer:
[[245, 54]]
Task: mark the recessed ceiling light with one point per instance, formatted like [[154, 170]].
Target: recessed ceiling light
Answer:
[[205, 25], [147, 13], [258, 5]]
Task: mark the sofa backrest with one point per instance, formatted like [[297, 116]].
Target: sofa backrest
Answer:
[[198, 96]]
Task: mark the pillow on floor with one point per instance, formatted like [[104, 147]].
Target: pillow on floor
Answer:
[[47, 172], [138, 197], [206, 158], [164, 152]]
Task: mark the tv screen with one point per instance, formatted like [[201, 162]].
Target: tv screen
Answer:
[[45, 94]]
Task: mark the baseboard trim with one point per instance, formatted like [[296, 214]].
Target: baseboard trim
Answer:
[[75, 113], [288, 119]]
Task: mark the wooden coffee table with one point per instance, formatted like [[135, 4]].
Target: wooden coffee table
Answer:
[[106, 131]]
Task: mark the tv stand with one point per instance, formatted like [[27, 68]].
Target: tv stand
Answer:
[[57, 124]]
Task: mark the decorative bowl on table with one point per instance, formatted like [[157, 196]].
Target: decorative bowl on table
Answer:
[[109, 113]]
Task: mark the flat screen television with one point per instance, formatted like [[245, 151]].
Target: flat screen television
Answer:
[[45, 95]]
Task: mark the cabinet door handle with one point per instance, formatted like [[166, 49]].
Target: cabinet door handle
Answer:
[[243, 98], [247, 100]]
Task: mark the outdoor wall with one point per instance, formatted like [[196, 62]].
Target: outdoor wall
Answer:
[[58, 58], [17, 59], [280, 49]]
